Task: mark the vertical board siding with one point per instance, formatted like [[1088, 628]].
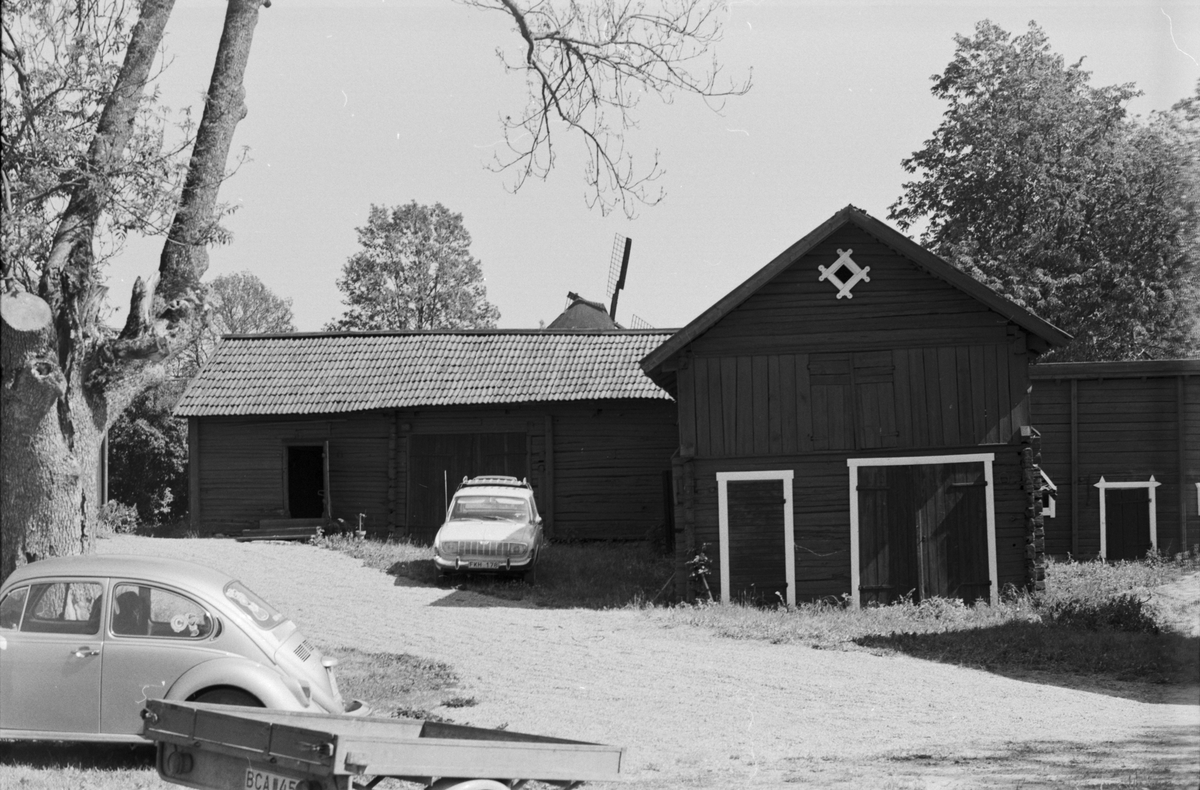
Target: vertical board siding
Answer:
[[1128, 430], [772, 404]]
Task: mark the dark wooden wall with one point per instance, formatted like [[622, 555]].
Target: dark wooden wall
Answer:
[[795, 378], [821, 513], [604, 479], [1125, 422]]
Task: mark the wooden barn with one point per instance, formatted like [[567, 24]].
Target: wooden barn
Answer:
[[297, 430], [1121, 445], [854, 419]]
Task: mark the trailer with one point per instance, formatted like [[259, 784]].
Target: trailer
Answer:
[[221, 747]]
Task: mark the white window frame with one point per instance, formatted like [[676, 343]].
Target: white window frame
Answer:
[[1049, 512], [1149, 485], [789, 535], [924, 460]]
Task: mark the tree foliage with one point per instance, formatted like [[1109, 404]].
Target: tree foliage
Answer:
[[60, 62], [414, 271], [148, 456], [1040, 185], [236, 304]]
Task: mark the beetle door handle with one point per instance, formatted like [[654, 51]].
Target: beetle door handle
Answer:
[[86, 652]]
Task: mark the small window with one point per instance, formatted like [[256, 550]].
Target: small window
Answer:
[[12, 607], [64, 608], [139, 610]]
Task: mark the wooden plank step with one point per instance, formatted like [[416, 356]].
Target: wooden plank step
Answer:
[[280, 523], [288, 533]]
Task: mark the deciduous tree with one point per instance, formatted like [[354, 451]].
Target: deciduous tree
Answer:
[[414, 271], [84, 164], [1041, 186], [65, 377]]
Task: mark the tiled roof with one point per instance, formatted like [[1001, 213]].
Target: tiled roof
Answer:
[[327, 373]]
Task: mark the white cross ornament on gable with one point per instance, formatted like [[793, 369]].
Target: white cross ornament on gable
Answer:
[[857, 274]]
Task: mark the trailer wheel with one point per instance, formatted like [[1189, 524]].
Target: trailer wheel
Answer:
[[229, 696], [468, 784]]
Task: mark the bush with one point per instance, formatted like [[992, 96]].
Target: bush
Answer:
[[147, 457], [117, 518], [1127, 612]]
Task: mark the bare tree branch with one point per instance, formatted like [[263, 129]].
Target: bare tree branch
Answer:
[[587, 65]]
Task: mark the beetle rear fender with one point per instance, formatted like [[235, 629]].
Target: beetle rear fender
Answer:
[[262, 681]]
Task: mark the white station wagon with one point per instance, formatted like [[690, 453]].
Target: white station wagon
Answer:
[[492, 526]]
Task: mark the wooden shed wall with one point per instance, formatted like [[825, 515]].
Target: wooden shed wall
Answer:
[[821, 515], [782, 403], [796, 378], [241, 467], [603, 481], [1126, 429]]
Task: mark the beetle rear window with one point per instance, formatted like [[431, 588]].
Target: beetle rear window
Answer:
[[262, 613]]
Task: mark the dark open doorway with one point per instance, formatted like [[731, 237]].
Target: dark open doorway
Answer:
[[306, 481], [1128, 524]]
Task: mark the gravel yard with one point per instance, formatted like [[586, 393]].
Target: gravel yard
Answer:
[[699, 711]]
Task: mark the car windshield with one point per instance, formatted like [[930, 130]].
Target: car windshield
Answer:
[[261, 612], [489, 508]]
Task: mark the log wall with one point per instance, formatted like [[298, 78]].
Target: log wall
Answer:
[[603, 480]]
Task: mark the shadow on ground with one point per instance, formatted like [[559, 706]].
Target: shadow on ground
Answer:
[[1161, 668], [85, 756]]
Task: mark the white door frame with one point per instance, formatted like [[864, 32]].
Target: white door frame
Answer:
[[789, 535], [924, 460], [1149, 485]]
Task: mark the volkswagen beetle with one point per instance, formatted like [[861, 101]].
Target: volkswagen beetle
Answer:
[[492, 526], [85, 641]]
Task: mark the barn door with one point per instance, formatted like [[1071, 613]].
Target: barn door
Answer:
[[439, 462], [757, 545], [1128, 525], [923, 531]]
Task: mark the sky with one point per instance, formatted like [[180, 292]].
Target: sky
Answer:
[[360, 102]]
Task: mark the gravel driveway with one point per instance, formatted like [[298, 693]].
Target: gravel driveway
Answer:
[[694, 710]]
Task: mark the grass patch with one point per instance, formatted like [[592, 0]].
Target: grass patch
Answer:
[[396, 684], [1094, 618], [569, 575]]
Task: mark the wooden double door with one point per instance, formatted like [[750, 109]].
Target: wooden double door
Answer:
[[437, 463], [923, 532]]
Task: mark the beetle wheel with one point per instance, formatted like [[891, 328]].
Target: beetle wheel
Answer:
[[229, 696]]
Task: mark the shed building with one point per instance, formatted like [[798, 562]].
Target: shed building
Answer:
[[854, 420], [302, 429], [1121, 445]]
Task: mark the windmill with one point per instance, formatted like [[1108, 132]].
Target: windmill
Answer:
[[618, 265]]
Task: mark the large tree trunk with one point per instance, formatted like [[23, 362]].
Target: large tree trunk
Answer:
[[63, 380], [184, 256]]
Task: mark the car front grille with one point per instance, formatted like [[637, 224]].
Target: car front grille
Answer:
[[489, 548]]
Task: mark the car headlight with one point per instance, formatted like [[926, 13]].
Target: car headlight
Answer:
[[447, 547]]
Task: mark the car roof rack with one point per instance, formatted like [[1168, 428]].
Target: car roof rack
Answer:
[[494, 480]]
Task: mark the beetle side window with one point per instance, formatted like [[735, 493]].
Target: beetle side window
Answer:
[[140, 610], [12, 607], [64, 608]]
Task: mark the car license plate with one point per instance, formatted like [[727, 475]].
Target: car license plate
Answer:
[[264, 780], [485, 564]]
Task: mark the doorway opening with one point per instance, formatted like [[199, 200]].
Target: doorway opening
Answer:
[[306, 481]]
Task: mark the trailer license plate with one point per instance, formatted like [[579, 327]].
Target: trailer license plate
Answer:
[[264, 780]]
